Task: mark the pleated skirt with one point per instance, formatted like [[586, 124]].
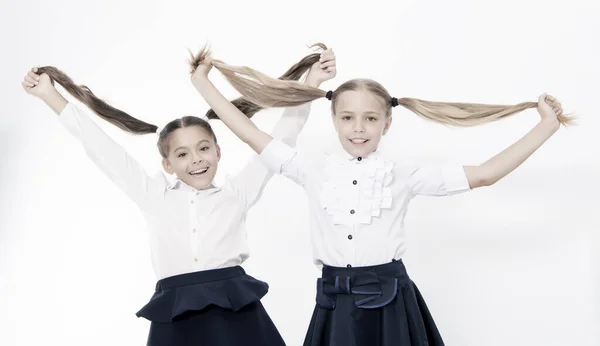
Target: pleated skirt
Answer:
[[370, 306]]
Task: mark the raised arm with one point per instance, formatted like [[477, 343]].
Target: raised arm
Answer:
[[235, 120], [252, 179], [110, 157], [512, 157]]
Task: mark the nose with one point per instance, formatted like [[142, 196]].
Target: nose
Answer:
[[358, 126], [196, 158]]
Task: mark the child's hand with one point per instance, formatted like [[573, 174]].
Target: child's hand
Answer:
[[549, 108], [201, 66], [323, 70], [37, 85]]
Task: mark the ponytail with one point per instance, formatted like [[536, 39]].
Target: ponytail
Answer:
[[107, 112], [260, 91], [119, 118], [264, 91], [468, 114]]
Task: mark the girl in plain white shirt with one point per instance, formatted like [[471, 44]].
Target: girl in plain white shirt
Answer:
[[358, 199], [196, 229]]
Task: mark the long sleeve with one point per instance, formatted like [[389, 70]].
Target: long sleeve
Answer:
[[110, 157], [291, 124], [285, 160], [250, 182]]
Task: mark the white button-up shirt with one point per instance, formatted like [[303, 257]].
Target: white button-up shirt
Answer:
[[357, 205], [190, 230]]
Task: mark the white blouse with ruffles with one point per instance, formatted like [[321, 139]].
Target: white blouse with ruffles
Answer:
[[358, 204]]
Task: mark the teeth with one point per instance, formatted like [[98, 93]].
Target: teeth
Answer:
[[200, 171], [358, 141]]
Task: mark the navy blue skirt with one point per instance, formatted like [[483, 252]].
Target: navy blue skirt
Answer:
[[219, 307], [370, 306]]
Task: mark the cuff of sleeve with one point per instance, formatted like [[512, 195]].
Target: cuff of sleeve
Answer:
[[455, 179], [276, 154], [66, 113]]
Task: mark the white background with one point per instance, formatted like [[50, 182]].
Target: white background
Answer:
[[513, 264]]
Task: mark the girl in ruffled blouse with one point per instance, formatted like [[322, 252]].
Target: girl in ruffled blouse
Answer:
[[358, 199], [197, 229]]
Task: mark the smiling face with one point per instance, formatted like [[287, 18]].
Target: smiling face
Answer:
[[193, 156], [360, 117]]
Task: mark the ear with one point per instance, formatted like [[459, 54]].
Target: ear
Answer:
[[218, 153], [167, 166], [388, 123]]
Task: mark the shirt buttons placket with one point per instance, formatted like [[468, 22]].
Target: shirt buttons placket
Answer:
[[193, 219]]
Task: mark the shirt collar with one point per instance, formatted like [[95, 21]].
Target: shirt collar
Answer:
[[178, 184], [340, 153]]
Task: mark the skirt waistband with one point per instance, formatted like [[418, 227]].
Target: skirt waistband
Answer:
[[394, 269], [199, 277], [370, 287], [176, 296]]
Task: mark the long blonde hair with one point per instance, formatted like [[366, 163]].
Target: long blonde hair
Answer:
[[269, 92]]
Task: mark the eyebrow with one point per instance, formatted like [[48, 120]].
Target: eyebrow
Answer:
[[350, 112], [184, 147]]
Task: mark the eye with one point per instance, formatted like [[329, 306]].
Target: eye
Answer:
[[372, 119], [204, 148], [181, 155], [346, 117]]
